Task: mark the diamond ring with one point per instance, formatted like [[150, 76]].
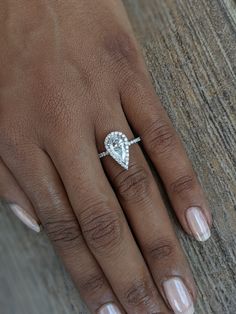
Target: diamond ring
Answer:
[[117, 146]]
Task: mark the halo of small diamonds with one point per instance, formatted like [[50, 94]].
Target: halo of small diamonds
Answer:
[[117, 146]]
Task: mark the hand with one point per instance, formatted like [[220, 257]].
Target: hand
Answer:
[[71, 72]]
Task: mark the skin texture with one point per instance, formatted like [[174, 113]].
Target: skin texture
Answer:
[[71, 72]]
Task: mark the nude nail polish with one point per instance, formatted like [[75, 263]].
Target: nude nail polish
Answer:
[[178, 296], [25, 217], [198, 224], [109, 308]]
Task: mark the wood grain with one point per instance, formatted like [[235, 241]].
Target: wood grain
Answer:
[[190, 50]]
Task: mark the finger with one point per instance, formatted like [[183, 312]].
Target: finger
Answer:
[[40, 180], [18, 202], [140, 199], [162, 144], [104, 226]]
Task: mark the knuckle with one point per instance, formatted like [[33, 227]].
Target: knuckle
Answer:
[[101, 226], [55, 111], [13, 142], [5, 140], [160, 137], [161, 249], [45, 197], [64, 233], [92, 283], [133, 185], [139, 293], [121, 48], [55, 106], [183, 184]]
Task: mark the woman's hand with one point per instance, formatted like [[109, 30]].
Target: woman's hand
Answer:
[[71, 73]]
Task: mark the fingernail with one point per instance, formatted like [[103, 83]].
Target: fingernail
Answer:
[[25, 217], [198, 224], [178, 296], [109, 308]]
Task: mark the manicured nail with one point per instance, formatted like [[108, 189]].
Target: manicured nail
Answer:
[[178, 296], [25, 217], [198, 224], [109, 308]]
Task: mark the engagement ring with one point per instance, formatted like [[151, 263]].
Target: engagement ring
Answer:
[[117, 146]]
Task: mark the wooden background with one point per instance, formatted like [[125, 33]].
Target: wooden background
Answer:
[[190, 49]]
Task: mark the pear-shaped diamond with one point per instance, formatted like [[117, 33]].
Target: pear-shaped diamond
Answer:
[[117, 145]]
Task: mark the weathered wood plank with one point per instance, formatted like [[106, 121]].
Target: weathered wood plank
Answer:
[[190, 50]]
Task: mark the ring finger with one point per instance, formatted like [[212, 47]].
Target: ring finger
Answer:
[[141, 200]]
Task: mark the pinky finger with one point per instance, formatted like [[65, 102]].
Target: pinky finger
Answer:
[[15, 198]]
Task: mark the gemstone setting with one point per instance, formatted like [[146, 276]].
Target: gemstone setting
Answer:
[[117, 145]]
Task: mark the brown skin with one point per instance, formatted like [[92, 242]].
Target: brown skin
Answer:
[[71, 72]]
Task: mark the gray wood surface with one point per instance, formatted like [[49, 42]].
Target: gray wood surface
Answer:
[[190, 49]]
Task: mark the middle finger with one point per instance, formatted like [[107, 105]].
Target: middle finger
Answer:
[[104, 226]]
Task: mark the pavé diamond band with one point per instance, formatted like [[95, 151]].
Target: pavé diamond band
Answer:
[[117, 146]]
